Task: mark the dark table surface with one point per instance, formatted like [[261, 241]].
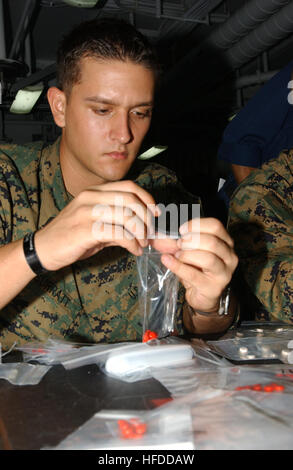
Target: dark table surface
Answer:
[[37, 416], [40, 416]]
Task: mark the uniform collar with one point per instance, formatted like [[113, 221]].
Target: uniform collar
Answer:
[[54, 196]]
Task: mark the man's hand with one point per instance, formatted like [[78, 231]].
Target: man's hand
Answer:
[[204, 261], [118, 213]]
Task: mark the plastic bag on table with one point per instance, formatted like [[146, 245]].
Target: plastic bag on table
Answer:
[[92, 355], [181, 381], [69, 354], [238, 419], [253, 348], [47, 352], [256, 341], [120, 429], [21, 373], [158, 292], [242, 420], [258, 329], [256, 379], [136, 361]]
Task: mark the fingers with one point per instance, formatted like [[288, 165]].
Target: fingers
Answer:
[[121, 189], [203, 290], [164, 245], [105, 217], [204, 262], [208, 225], [205, 251], [113, 235], [124, 204], [210, 273]]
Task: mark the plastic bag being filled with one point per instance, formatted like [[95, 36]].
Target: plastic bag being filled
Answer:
[[158, 293]]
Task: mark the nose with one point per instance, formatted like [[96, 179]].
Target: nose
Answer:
[[120, 129]]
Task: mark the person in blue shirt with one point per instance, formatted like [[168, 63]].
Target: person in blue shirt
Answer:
[[259, 132]]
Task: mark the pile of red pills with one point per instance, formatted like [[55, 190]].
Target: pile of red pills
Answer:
[[132, 429], [271, 387], [148, 335]]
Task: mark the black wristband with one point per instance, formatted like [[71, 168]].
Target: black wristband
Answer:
[[31, 254]]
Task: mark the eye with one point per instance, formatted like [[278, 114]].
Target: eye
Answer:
[[101, 111], [142, 114]]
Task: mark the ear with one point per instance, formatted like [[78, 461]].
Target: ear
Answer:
[[57, 102]]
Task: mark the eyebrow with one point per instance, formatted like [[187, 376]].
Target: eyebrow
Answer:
[[99, 99]]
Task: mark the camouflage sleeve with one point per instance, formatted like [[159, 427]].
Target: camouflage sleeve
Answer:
[[261, 224], [5, 211]]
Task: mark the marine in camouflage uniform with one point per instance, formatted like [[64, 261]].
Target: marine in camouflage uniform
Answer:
[[93, 300], [261, 224]]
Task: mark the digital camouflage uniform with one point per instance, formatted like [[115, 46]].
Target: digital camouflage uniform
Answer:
[[261, 224], [93, 300]]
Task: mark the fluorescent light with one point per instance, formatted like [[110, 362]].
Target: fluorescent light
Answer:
[[26, 99], [152, 152], [81, 3]]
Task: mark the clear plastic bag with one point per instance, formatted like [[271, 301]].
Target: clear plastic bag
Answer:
[[69, 354], [164, 429], [47, 352], [93, 355], [253, 348], [158, 293], [21, 373], [136, 361], [228, 416], [263, 341], [260, 329], [180, 381], [241, 420]]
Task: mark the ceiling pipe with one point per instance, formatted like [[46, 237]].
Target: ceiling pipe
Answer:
[[254, 79], [244, 20], [276, 28], [231, 31], [198, 13]]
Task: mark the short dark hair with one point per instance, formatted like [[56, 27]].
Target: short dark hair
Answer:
[[103, 39]]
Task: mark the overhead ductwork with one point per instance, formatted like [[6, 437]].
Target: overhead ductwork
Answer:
[[249, 31], [276, 28], [186, 22], [244, 20]]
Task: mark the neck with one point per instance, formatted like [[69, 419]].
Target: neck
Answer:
[[75, 178]]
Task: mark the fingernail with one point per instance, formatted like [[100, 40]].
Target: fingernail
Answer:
[[183, 229], [177, 254], [167, 259], [158, 211]]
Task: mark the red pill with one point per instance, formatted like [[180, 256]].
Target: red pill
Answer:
[[257, 387], [128, 433], [268, 388], [278, 387], [123, 424], [153, 335], [140, 428], [148, 335]]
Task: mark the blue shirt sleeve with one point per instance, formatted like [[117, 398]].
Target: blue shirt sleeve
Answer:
[[263, 128]]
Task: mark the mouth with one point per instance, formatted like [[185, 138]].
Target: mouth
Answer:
[[117, 155]]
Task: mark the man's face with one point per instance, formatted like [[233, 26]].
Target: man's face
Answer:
[[107, 115]]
